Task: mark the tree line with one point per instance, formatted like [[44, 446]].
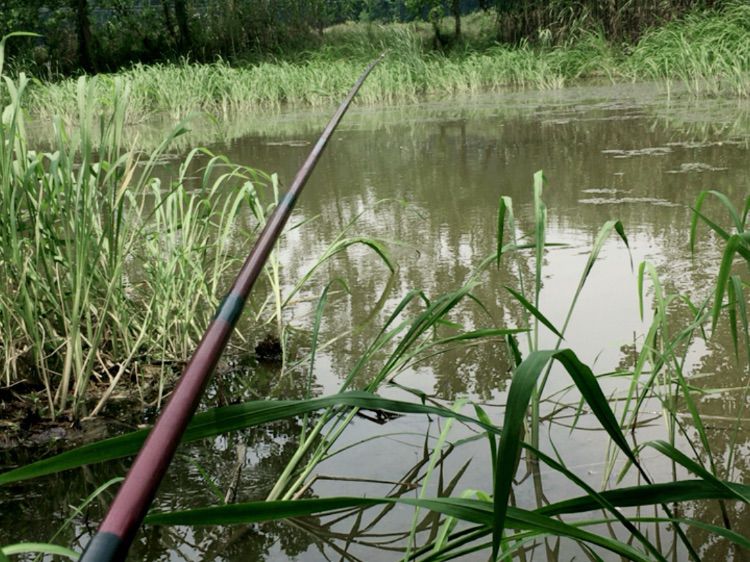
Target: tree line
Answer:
[[103, 35]]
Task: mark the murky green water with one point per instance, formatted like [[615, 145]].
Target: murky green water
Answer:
[[427, 179]]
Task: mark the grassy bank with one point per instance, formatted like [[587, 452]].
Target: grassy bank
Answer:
[[708, 51], [74, 311]]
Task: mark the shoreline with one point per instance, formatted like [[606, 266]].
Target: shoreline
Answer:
[[706, 51]]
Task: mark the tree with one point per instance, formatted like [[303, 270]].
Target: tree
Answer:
[[456, 9], [435, 12], [168, 23], [183, 28], [83, 31]]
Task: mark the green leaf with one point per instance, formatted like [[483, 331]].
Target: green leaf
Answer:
[[535, 311], [735, 242], [739, 222], [39, 548], [505, 207], [680, 458], [591, 391], [519, 395], [8, 36], [649, 494], [468, 510], [540, 222], [736, 538], [596, 249], [223, 420], [483, 417]]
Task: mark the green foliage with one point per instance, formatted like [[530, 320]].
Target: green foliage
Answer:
[[562, 21], [68, 299], [737, 246], [117, 35], [252, 31], [707, 50]]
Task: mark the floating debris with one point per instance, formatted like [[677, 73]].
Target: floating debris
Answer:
[[292, 143], [606, 190], [706, 144], [653, 151], [269, 349], [627, 201], [699, 167]]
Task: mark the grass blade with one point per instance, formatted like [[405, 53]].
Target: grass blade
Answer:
[[508, 453], [39, 548], [534, 311]]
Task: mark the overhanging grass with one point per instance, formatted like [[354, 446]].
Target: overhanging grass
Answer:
[[708, 51]]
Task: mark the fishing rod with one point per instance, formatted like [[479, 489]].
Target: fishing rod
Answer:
[[116, 533]]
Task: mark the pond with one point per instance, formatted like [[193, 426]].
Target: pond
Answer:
[[426, 180]]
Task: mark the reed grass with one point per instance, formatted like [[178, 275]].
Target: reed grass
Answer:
[[107, 271], [71, 306], [223, 90]]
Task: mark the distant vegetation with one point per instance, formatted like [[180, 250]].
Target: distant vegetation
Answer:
[[105, 35], [707, 50]]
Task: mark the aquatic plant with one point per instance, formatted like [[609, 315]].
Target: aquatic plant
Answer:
[[72, 308]]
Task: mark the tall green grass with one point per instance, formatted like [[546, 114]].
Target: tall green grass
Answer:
[[106, 270], [706, 51], [74, 305], [224, 90], [419, 327]]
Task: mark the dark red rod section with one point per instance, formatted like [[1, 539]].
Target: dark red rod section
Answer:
[[112, 541]]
